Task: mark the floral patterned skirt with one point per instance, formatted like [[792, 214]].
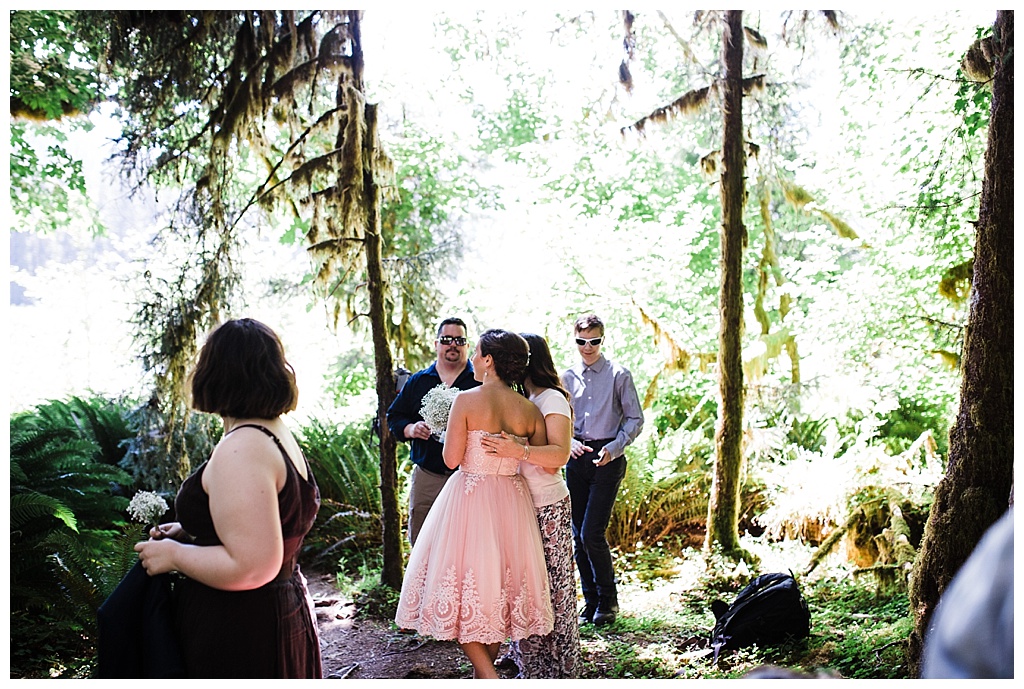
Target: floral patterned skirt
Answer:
[[555, 655]]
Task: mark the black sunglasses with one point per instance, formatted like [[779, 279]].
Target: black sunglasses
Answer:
[[593, 342], [448, 339]]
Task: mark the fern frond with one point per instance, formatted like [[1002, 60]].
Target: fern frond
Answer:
[[32, 505]]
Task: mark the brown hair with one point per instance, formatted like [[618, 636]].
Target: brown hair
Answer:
[[540, 370], [510, 353], [242, 373], [589, 321]]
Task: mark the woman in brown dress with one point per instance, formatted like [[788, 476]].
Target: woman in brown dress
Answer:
[[241, 604]]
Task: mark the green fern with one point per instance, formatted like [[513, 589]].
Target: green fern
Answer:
[[86, 580], [30, 505], [62, 462], [68, 504], [346, 466], [649, 510], [104, 422]]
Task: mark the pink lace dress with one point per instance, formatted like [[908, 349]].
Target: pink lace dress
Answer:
[[477, 571]]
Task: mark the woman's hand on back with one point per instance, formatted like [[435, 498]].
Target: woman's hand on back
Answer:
[[504, 445]]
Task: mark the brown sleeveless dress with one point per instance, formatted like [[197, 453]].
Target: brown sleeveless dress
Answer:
[[269, 632]]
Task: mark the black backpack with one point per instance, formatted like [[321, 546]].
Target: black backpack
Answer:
[[767, 611]]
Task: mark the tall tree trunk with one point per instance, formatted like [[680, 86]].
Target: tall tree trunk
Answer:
[[977, 486], [391, 574], [391, 532], [723, 506]]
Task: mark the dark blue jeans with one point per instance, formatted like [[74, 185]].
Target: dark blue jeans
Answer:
[[592, 491]]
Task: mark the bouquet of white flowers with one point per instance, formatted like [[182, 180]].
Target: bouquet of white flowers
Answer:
[[147, 507], [437, 404]]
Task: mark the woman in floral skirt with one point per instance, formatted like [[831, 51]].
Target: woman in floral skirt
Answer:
[[555, 655]]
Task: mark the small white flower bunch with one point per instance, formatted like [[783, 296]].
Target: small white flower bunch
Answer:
[[437, 404], [147, 507]]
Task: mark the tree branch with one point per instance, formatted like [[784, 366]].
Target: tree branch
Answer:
[[958, 201], [935, 321]]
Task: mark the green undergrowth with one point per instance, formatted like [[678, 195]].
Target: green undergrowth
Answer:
[[663, 631], [858, 630], [358, 579]]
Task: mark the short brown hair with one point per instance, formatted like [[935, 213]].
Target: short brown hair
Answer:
[[587, 322], [242, 373]]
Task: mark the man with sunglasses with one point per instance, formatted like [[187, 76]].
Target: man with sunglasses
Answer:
[[607, 418], [452, 368]]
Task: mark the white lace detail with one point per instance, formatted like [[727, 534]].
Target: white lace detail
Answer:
[[471, 481], [457, 612], [520, 484], [462, 588]]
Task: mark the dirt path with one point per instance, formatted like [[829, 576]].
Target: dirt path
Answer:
[[373, 649], [359, 648]]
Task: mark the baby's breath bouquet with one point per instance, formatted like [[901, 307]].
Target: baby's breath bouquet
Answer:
[[437, 404], [147, 507]]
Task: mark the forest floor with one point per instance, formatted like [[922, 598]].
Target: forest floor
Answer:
[[356, 646], [663, 631], [360, 647]]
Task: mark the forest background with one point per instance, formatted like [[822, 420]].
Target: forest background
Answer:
[[538, 183]]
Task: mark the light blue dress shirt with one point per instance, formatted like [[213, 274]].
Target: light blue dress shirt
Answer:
[[605, 403]]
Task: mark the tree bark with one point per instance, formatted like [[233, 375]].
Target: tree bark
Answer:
[[391, 530], [723, 506], [977, 487], [391, 573]]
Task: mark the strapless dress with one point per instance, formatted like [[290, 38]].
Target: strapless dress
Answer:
[[477, 571]]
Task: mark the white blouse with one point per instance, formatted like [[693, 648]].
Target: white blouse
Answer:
[[545, 488]]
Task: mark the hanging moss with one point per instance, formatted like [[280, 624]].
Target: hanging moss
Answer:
[[688, 104], [955, 284], [837, 224], [795, 195], [977, 62], [754, 39], [256, 78]]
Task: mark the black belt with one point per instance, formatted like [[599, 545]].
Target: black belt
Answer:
[[594, 445], [602, 443]]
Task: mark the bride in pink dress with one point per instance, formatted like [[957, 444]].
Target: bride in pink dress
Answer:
[[477, 572]]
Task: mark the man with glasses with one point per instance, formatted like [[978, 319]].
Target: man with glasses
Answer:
[[452, 368], [608, 417]]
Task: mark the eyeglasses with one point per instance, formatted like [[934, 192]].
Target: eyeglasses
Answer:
[[593, 342], [448, 339]]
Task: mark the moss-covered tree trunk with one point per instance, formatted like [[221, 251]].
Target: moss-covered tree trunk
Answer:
[[391, 530], [723, 506], [391, 536], [976, 488]]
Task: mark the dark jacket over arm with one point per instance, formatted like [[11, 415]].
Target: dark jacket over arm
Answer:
[[136, 630]]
